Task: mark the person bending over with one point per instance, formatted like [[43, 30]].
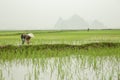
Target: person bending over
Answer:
[[25, 38]]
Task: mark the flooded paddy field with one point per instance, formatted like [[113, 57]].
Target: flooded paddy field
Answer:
[[95, 61], [61, 55]]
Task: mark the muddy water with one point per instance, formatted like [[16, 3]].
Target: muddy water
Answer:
[[64, 68]]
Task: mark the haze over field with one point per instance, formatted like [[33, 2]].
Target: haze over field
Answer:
[[44, 14], [77, 22]]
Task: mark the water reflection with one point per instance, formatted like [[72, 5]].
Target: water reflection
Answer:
[[64, 68]]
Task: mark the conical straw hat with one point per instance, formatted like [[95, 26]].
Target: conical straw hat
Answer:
[[31, 35]]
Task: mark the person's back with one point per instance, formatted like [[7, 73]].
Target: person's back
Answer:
[[27, 38]]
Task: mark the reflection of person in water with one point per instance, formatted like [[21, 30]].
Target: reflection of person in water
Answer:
[[26, 38]]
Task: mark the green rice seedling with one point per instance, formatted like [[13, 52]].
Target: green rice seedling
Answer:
[[68, 55], [63, 37]]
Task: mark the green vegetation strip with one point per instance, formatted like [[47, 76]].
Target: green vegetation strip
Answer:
[[10, 52], [61, 46]]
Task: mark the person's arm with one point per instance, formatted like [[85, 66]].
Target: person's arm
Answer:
[[21, 36]]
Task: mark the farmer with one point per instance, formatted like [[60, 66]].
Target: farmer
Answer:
[[26, 38]]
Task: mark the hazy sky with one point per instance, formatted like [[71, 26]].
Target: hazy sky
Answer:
[[22, 14]]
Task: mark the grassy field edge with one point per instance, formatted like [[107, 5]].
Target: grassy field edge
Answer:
[[60, 46]]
